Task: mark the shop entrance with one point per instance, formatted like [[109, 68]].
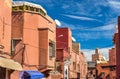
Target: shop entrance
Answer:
[[2, 73]]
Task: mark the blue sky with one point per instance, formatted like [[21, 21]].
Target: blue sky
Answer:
[[92, 22]]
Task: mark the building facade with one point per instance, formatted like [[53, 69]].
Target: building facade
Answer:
[[112, 56], [78, 67], [83, 66], [5, 23], [117, 44], [98, 57], [108, 70], [63, 50], [7, 64], [112, 63], [33, 38], [92, 71]]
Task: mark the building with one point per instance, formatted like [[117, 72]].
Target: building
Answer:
[[7, 65], [33, 38], [117, 47], [108, 70], [78, 67], [83, 66], [98, 57], [92, 71], [112, 63], [103, 71], [75, 65], [117, 44], [5, 23], [112, 56], [63, 50]]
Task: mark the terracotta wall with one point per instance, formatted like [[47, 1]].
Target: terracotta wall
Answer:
[[17, 24], [105, 70], [112, 56], [5, 24], [83, 65], [35, 32]]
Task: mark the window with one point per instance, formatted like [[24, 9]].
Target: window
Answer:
[[14, 43], [51, 49], [74, 65]]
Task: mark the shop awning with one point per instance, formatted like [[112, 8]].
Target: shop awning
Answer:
[[31, 74], [10, 64]]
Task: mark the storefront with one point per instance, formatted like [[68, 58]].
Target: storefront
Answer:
[[6, 65]]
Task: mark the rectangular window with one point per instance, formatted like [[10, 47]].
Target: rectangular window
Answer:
[[51, 49], [74, 65], [14, 43]]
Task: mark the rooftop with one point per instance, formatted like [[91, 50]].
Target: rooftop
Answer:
[[22, 3]]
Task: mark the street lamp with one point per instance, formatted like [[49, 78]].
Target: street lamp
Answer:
[[60, 36]]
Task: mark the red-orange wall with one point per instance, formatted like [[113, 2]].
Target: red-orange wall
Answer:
[[35, 31], [64, 38], [5, 24], [112, 56]]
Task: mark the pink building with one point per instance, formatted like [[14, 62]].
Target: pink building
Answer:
[[68, 51], [63, 48], [33, 38], [7, 65], [78, 66], [5, 24], [112, 56], [112, 62], [83, 66]]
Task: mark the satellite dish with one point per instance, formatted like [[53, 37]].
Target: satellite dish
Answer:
[[57, 22], [73, 39]]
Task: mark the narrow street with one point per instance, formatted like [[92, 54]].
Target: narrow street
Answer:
[[76, 39]]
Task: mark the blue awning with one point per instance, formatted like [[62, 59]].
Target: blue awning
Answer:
[[31, 74]]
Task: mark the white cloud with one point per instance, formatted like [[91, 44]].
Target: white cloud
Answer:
[[105, 31], [115, 4], [104, 51], [84, 36], [63, 24], [65, 6], [57, 22], [81, 17], [105, 27]]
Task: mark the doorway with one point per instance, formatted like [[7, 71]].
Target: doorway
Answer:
[[2, 73]]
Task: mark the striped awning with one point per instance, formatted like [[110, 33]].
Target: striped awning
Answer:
[[10, 64]]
